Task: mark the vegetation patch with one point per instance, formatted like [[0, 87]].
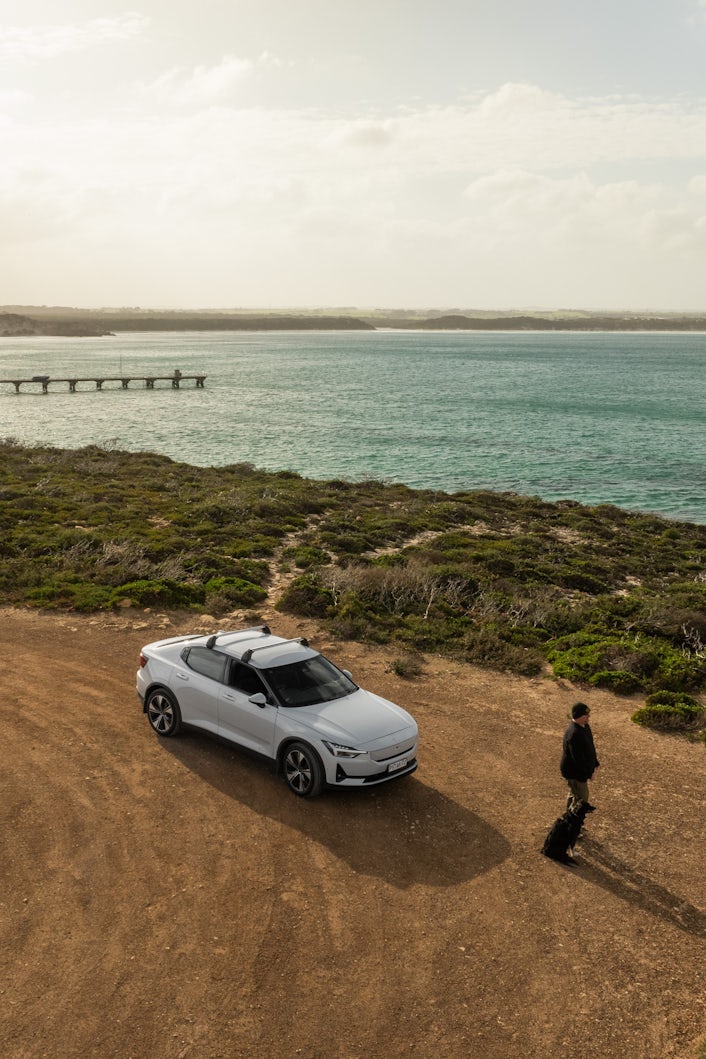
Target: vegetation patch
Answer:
[[672, 711], [408, 666], [162, 593], [229, 593], [306, 556], [626, 664], [608, 597]]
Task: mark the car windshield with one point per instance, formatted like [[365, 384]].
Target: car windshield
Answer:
[[306, 683]]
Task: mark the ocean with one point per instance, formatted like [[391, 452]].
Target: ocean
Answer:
[[603, 417]]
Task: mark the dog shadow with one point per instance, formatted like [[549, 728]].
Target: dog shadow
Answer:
[[609, 872]]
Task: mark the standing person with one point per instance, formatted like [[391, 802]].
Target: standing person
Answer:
[[578, 759]]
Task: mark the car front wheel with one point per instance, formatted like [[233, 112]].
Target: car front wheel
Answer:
[[303, 771], [163, 712]]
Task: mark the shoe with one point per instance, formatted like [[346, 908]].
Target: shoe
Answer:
[[590, 808]]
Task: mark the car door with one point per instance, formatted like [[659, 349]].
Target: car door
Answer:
[[242, 721], [197, 683]]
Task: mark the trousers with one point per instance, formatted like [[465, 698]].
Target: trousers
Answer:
[[578, 792]]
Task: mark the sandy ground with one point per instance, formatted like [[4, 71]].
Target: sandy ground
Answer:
[[173, 899]]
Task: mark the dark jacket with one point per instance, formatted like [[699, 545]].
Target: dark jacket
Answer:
[[578, 758]]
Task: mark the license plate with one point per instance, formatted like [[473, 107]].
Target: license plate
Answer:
[[397, 765]]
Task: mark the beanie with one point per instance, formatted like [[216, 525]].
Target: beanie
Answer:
[[579, 709]]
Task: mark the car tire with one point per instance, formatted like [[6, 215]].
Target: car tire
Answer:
[[303, 771], [163, 712]]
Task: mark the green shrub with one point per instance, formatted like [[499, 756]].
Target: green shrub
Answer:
[[653, 663], [346, 542], [583, 581], [88, 597], [162, 593], [482, 647], [307, 597], [81, 596], [671, 698], [617, 680], [670, 718], [389, 559], [350, 628], [231, 592], [306, 555], [408, 666]]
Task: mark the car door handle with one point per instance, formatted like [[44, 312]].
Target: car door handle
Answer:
[[229, 698], [182, 676]]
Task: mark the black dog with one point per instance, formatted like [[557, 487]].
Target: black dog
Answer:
[[564, 833]]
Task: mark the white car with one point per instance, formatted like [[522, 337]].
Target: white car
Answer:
[[282, 700]]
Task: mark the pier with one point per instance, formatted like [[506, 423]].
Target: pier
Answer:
[[45, 381]]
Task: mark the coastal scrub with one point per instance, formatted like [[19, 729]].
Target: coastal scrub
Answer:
[[604, 596]]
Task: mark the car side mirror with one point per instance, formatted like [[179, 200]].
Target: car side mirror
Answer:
[[347, 673], [258, 699]]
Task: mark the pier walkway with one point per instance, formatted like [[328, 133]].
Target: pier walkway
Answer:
[[45, 381]]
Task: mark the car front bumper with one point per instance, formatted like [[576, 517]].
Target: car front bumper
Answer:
[[344, 779]]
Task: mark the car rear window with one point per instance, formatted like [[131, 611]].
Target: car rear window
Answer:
[[207, 662]]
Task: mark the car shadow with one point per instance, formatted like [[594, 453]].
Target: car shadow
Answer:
[[603, 868], [404, 832]]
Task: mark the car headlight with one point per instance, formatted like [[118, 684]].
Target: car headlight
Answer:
[[338, 750]]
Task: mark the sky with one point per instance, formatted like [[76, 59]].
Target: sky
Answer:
[[479, 154]]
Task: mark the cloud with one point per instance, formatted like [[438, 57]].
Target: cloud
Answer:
[[522, 126], [516, 101], [514, 190], [576, 213], [200, 85], [364, 133], [23, 43], [697, 184], [476, 151], [441, 163], [676, 231], [204, 85], [519, 197], [12, 97]]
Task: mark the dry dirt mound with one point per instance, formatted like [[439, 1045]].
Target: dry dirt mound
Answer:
[[173, 899]]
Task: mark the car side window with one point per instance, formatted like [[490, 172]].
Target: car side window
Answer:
[[207, 662], [245, 679]]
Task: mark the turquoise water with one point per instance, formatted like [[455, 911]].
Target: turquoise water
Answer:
[[600, 418]]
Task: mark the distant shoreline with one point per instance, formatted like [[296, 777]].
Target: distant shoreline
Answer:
[[36, 322]]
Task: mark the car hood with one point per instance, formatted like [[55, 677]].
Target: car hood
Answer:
[[360, 719]]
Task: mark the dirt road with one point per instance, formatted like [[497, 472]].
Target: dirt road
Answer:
[[171, 899]]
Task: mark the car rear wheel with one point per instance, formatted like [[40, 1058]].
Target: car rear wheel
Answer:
[[303, 771], [163, 712]]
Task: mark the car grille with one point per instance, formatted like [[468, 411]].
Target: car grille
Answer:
[[387, 753]]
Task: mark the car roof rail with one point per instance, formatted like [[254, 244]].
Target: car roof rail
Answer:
[[264, 629], [247, 655]]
